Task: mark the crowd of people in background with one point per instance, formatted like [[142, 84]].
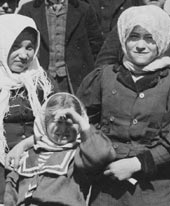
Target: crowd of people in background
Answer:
[[84, 102]]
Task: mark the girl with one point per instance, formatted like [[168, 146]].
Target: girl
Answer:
[[129, 102], [56, 171]]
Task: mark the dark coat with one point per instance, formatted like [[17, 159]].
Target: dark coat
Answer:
[[18, 122], [107, 16], [137, 117], [83, 37], [51, 189]]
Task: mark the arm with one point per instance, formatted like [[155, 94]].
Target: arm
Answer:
[[96, 152], [15, 154], [11, 194], [111, 51]]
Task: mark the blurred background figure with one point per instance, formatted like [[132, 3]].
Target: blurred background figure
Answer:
[[108, 11], [8, 6], [70, 39]]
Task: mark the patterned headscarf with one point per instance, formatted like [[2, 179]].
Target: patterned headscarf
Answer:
[[152, 18], [34, 77]]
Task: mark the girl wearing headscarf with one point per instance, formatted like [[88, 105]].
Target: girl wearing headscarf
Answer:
[[66, 149], [129, 102], [23, 83]]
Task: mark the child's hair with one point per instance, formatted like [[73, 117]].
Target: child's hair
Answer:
[[62, 101]]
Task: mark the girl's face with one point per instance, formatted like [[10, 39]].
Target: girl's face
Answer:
[[140, 46], [159, 3], [21, 55], [62, 131]]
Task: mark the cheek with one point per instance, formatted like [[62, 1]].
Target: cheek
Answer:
[[153, 49], [31, 55], [129, 46], [11, 58]]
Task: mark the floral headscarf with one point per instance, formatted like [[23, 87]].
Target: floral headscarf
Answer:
[[152, 18], [11, 26]]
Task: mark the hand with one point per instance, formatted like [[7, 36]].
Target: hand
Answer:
[[14, 155], [75, 117], [123, 169]]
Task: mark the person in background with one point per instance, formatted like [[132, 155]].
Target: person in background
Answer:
[[66, 150], [130, 103], [111, 51], [23, 83], [107, 12], [8, 6], [70, 39]]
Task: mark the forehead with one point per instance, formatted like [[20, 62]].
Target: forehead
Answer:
[[140, 30]]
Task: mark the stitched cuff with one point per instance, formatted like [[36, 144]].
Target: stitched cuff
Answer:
[[147, 164]]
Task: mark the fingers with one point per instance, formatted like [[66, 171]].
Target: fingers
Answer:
[[107, 172]]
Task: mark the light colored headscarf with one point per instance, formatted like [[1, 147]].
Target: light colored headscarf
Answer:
[[42, 140], [34, 77], [156, 21]]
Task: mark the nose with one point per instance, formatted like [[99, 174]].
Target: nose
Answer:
[[23, 55], [140, 46]]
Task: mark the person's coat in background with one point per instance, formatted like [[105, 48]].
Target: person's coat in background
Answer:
[[108, 12], [83, 37]]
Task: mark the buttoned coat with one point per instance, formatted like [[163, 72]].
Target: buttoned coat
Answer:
[[83, 37], [135, 116]]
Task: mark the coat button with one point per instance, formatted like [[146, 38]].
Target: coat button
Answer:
[[135, 121], [115, 146], [142, 95], [114, 91], [23, 136], [112, 118]]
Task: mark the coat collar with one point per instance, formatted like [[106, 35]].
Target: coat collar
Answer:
[[148, 81], [38, 3], [73, 18], [58, 163]]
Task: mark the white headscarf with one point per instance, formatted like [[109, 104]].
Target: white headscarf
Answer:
[[42, 140], [156, 21], [11, 26]]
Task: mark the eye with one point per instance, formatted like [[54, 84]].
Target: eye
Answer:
[[30, 47], [133, 37], [15, 47], [149, 39]]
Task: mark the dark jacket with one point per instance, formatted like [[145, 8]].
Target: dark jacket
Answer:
[[108, 12], [18, 122], [137, 117], [43, 186], [83, 37]]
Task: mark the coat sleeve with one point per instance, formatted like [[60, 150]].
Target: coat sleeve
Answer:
[[10, 197], [95, 152], [89, 94], [111, 51], [93, 31]]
